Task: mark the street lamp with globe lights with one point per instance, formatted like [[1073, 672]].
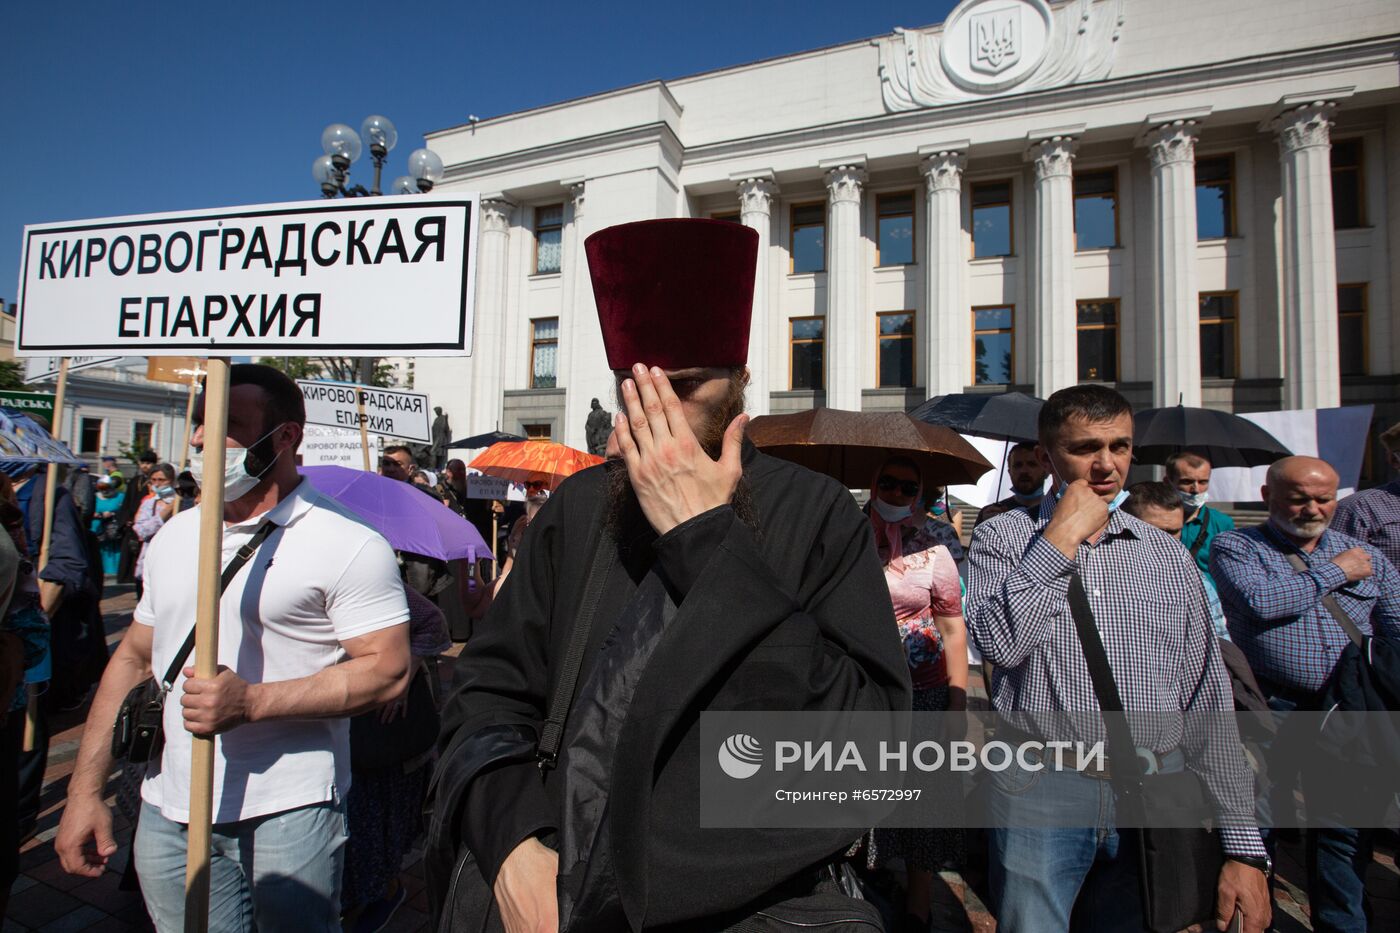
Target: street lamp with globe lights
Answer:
[[342, 146]]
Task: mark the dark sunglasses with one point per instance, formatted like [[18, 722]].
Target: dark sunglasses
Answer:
[[535, 484], [889, 484]]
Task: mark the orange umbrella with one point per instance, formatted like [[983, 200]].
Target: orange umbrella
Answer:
[[518, 461]]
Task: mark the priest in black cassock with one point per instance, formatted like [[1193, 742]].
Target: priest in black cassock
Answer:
[[723, 579]]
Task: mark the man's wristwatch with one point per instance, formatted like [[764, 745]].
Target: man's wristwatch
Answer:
[[1261, 862]]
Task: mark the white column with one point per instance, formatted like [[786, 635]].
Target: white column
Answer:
[[948, 344], [756, 212], [844, 318], [1176, 312], [571, 323], [1052, 256], [489, 346], [1312, 370]]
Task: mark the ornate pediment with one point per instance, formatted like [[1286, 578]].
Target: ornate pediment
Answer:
[[991, 48]]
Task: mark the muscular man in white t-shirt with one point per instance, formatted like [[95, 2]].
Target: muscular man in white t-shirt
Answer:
[[312, 629]]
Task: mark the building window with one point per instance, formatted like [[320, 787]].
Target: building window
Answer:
[[728, 216], [143, 434], [991, 219], [808, 245], [894, 215], [806, 359], [1351, 329], [896, 348], [1096, 209], [537, 432], [1218, 341], [1098, 340], [991, 345], [90, 432], [549, 238], [1348, 188], [544, 352], [1215, 198]]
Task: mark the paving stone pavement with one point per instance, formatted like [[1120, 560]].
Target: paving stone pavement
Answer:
[[47, 900]]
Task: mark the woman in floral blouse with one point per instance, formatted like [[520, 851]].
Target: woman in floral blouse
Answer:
[[927, 598]]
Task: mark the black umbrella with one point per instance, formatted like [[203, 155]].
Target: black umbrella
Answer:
[[1226, 440], [1010, 416], [483, 440]]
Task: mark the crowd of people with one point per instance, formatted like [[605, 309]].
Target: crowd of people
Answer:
[[692, 572]]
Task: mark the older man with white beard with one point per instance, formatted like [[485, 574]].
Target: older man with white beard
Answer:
[[1277, 616]]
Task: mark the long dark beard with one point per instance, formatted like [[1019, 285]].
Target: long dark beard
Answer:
[[626, 522], [625, 519]]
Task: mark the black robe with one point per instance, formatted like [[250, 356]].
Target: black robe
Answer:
[[795, 617]]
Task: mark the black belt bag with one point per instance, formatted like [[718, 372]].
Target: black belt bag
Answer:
[[138, 735]]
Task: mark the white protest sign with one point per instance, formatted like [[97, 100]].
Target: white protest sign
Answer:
[[364, 277], [386, 411], [322, 446], [39, 368], [481, 486]]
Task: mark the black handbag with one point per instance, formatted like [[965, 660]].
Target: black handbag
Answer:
[[138, 735], [1178, 869], [376, 745], [1366, 679]]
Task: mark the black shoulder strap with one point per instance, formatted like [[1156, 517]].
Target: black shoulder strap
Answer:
[[245, 554], [1357, 636], [599, 566], [1200, 540], [1123, 760]]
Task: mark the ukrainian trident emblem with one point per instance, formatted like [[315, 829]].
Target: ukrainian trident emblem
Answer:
[[996, 40]]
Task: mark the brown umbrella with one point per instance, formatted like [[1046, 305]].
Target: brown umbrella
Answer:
[[850, 445]]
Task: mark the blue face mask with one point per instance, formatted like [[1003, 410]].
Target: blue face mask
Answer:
[[1112, 506]]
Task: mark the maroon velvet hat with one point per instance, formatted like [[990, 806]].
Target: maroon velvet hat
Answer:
[[674, 293]]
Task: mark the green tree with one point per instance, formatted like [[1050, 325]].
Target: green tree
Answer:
[[12, 375], [338, 368], [298, 367]]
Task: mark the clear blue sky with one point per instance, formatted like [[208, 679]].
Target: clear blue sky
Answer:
[[132, 107]]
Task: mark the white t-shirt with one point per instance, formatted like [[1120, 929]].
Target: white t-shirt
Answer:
[[322, 578]]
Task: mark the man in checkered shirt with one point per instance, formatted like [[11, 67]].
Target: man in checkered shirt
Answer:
[[1277, 617], [1373, 515], [1150, 608]]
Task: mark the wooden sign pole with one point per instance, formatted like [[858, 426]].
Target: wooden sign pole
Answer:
[[206, 641], [364, 427], [189, 431], [189, 420], [31, 711]]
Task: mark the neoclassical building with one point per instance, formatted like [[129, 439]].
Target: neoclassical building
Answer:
[[1193, 200]]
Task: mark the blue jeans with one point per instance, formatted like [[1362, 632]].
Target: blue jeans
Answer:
[[275, 872], [1048, 878], [1337, 856]]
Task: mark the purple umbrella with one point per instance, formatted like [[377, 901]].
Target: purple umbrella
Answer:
[[404, 514]]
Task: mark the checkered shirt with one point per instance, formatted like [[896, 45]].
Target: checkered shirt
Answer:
[[1150, 608], [1373, 515], [1276, 614]]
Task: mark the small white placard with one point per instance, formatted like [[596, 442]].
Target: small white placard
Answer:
[[390, 412], [487, 487], [322, 446]]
